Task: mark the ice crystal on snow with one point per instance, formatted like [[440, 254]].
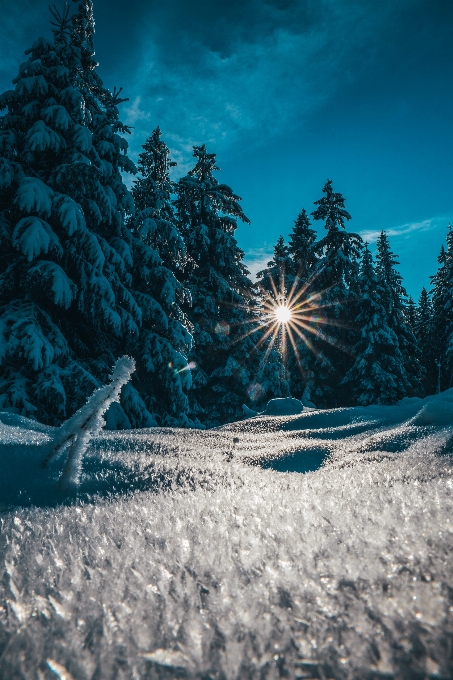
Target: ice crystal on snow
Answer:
[[183, 557]]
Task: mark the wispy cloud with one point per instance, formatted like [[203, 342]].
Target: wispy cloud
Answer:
[[256, 259], [238, 74], [404, 230]]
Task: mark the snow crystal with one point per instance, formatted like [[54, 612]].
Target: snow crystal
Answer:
[[189, 554]]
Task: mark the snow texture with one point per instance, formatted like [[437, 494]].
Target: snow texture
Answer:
[[204, 554]]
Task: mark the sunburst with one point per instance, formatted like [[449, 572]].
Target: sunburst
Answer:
[[289, 320]]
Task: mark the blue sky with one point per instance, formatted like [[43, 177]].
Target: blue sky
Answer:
[[289, 93]]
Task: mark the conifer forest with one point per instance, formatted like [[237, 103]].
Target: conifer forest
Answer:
[[90, 270]]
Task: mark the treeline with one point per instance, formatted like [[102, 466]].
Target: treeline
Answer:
[[357, 337], [90, 271]]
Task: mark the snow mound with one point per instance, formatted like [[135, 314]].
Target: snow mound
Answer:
[[200, 554], [287, 406]]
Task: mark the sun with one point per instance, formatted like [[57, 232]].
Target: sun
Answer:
[[283, 314], [290, 319]]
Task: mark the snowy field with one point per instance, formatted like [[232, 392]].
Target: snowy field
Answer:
[[310, 546]]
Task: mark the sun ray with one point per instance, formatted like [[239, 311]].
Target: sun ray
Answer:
[[296, 354]]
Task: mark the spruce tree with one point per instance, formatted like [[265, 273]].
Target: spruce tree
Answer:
[[439, 323], [302, 241], [158, 257], [395, 302], [426, 340], [333, 308], [275, 283], [377, 376], [66, 310], [228, 366], [301, 247], [444, 307], [411, 313], [278, 277]]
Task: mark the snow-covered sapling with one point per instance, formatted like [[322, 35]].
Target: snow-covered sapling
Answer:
[[74, 435]]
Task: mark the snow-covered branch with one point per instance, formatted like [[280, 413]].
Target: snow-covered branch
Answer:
[[74, 435]]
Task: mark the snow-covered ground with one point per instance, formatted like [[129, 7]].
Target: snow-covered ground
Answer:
[[309, 546]]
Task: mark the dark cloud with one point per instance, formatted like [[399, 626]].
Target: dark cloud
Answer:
[[213, 70], [19, 21]]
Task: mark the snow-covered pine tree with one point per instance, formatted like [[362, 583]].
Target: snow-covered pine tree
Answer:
[[439, 322], [377, 376], [65, 306], [301, 247], [443, 302], [411, 313], [222, 311], [158, 253], [426, 341], [394, 298], [278, 277], [335, 283]]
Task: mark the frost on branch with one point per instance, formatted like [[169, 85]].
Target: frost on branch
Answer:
[[74, 435]]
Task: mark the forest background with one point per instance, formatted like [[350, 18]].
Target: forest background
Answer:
[[90, 269]]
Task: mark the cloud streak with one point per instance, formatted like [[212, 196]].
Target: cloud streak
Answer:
[[404, 230]]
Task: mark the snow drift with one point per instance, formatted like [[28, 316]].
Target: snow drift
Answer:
[[195, 554]]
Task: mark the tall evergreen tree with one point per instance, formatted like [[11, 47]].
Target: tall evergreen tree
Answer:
[[277, 278], [336, 278], [302, 241], [426, 340], [395, 302], [440, 321], [378, 375], [66, 310], [222, 311], [301, 247], [158, 256], [275, 284], [411, 313], [443, 307]]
